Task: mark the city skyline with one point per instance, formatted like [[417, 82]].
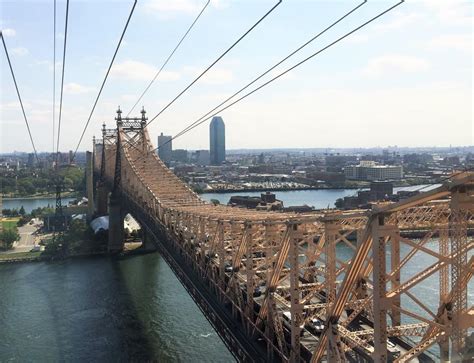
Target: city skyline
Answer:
[[409, 71], [329, 218]]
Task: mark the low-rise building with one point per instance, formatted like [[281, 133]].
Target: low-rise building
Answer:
[[371, 171]]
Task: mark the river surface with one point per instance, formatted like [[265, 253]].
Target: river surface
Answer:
[[101, 309], [32, 203], [318, 198]]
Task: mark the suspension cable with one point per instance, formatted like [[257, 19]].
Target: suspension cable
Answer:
[[54, 73], [276, 65], [214, 63], [19, 97], [169, 57], [62, 82], [197, 123], [105, 79]]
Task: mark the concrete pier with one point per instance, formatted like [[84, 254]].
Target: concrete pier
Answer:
[[116, 231]]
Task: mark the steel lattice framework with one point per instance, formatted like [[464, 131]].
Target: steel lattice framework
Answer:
[[364, 274]]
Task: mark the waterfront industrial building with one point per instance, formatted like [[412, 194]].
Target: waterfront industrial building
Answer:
[[371, 171]]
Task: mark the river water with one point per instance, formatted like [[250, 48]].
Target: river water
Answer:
[[32, 203], [101, 309]]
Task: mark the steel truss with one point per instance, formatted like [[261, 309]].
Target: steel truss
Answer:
[[356, 272]]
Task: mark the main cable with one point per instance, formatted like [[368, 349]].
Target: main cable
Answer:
[[273, 67], [105, 79], [214, 63], [19, 97], [62, 82], [276, 65], [282, 73], [169, 57], [54, 74]]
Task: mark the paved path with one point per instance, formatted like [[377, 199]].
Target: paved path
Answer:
[[27, 239]]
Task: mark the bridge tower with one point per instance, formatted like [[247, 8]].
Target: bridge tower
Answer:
[[116, 231], [130, 130], [108, 136]]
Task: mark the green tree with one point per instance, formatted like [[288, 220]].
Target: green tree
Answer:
[[22, 221], [8, 237], [26, 187], [22, 211], [339, 203]]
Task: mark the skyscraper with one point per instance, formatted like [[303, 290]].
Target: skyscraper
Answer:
[[165, 148], [217, 140]]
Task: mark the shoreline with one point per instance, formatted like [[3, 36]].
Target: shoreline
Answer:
[[40, 258], [282, 189], [45, 196]]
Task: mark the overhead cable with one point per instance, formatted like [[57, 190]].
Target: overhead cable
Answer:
[[214, 63], [169, 57], [19, 97], [200, 121], [276, 65], [54, 73], [105, 79], [62, 81]]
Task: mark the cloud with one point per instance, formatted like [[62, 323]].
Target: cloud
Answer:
[[462, 42], [48, 64], [176, 6], [213, 76], [135, 70], [20, 51], [395, 63], [357, 39], [76, 89], [9, 106], [452, 12], [9, 32], [398, 21], [170, 8]]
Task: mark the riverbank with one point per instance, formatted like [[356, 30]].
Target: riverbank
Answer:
[[37, 256], [357, 186], [276, 189], [42, 196], [21, 257]]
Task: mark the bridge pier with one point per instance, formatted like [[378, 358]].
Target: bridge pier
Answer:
[[102, 196], [116, 231], [147, 240]]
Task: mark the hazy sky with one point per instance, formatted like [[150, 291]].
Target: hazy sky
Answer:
[[405, 80]]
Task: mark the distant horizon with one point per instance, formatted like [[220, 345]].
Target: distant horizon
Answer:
[[470, 148], [404, 78]]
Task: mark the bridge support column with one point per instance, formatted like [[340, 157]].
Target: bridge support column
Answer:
[[444, 351], [147, 240], [295, 307], [116, 232], [89, 186], [462, 202], [394, 263], [102, 196], [381, 233]]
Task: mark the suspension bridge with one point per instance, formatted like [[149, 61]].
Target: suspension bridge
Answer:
[[322, 286]]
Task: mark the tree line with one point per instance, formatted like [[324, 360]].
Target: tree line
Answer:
[[27, 182]]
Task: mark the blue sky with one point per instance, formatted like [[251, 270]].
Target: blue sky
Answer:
[[405, 80]]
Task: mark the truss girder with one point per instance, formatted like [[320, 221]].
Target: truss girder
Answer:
[[295, 259]]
